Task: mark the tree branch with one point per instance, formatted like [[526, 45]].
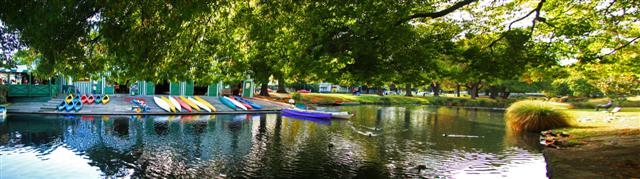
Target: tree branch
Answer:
[[621, 47], [438, 13], [536, 18]]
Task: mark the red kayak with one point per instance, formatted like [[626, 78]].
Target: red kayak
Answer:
[[90, 99], [183, 104], [244, 104], [83, 99]]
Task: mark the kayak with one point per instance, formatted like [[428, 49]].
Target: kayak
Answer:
[[227, 103], [83, 99], [238, 104], [68, 106], [165, 99], [105, 99], [194, 106], [77, 105], [61, 106], [244, 104], [175, 104], [254, 105], [294, 112], [69, 98], [202, 106], [337, 115], [184, 105], [98, 99], [312, 119], [76, 98], [90, 99], [162, 104], [205, 102]]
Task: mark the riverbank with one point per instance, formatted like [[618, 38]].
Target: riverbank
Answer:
[[601, 146]]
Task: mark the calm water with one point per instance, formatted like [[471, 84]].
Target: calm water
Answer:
[[379, 142]]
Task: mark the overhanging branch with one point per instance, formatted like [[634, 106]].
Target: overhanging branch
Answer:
[[438, 13], [536, 18]]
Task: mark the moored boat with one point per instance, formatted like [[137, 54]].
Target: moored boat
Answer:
[[162, 104], [90, 99], [183, 104], [193, 106], [202, 106], [244, 104], [295, 112], [238, 104], [169, 103], [227, 103], [175, 103], [69, 98], [254, 105], [68, 106], [77, 105], [105, 99], [337, 115], [61, 106], [83, 99], [205, 102], [98, 99]]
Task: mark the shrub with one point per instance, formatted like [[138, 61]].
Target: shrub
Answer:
[[535, 116]]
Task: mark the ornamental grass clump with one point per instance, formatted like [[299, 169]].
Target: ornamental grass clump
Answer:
[[535, 116]]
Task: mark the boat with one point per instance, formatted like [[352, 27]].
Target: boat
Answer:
[[69, 98], [98, 99], [254, 105], [77, 105], [90, 99], [175, 104], [105, 99], [294, 112], [315, 120], [68, 106], [202, 106], [184, 105], [205, 102], [3, 110], [227, 103], [238, 104], [83, 99], [194, 106], [244, 104], [61, 106], [336, 115], [165, 99], [162, 104]]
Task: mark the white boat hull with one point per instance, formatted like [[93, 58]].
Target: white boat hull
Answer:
[[162, 104], [238, 104], [175, 103], [202, 106]]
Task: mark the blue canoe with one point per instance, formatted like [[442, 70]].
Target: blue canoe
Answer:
[[315, 120], [77, 105], [293, 112], [61, 106], [68, 106], [98, 99], [252, 104], [227, 103]]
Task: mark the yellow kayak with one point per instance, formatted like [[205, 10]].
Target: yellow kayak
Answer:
[[105, 99], [69, 98], [193, 105], [205, 102], [173, 108]]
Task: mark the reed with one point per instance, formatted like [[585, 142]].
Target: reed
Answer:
[[535, 116]]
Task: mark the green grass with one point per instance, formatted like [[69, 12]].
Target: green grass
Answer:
[[602, 124], [535, 116], [332, 98], [591, 103]]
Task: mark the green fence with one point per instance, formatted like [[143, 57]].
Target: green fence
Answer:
[[32, 90]]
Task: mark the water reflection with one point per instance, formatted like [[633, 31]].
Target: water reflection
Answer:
[[379, 142]]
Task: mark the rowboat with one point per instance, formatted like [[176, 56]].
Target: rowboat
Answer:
[[238, 104], [77, 105], [68, 106], [83, 99], [184, 105], [162, 104], [254, 105], [61, 106], [105, 99], [175, 104], [205, 102], [90, 99], [227, 103], [194, 106], [244, 104], [69, 98], [294, 112], [165, 99], [202, 106], [98, 99]]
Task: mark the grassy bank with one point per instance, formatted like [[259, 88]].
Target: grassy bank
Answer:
[[591, 103], [319, 98]]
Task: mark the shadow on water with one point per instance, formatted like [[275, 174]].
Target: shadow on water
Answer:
[[379, 142]]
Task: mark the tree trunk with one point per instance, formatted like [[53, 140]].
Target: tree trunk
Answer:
[[505, 93], [407, 88], [493, 92], [379, 91], [435, 88], [458, 90], [264, 89], [475, 88], [281, 88]]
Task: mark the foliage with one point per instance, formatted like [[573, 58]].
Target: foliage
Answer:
[[535, 116]]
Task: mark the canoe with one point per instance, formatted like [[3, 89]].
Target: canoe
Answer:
[[227, 103], [98, 99], [61, 106], [194, 106], [293, 112], [202, 106], [184, 105], [238, 104], [337, 115], [68, 106], [205, 102], [312, 119], [244, 104], [77, 105], [83, 99], [254, 105], [105, 99], [169, 103], [90, 99], [162, 104], [175, 104], [69, 98]]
